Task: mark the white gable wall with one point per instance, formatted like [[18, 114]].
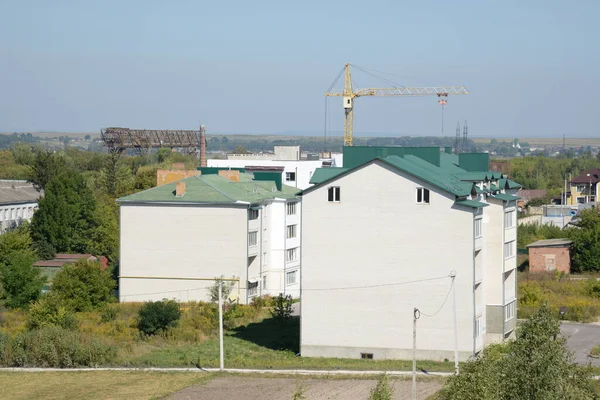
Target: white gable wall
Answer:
[[378, 235]]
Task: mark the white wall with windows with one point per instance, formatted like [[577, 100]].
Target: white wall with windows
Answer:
[[13, 215]]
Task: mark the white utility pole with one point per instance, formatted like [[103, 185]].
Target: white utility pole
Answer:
[[453, 276], [221, 352], [416, 315]]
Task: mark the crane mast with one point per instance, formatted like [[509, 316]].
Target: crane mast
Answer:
[[349, 94]]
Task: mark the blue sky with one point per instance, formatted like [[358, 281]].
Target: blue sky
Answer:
[[263, 66]]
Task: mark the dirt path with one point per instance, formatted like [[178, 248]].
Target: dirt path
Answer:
[[316, 389]]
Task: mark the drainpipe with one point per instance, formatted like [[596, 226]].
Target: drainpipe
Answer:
[[474, 279], [503, 269], [260, 258]]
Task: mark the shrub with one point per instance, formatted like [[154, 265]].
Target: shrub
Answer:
[[213, 291], [382, 390], [21, 282], [108, 314], [4, 342], [259, 302], [237, 315], [158, 316], [55, 347], [282, 308], [84, 286], [49, 312]]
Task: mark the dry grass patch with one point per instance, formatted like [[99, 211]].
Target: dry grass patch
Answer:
[[96, 385]]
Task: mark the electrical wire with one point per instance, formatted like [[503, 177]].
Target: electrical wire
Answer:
[[443, 304], [385, 80]]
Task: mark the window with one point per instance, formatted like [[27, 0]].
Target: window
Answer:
[[264, 282], [333, 194], [478, 327], [509, 219], [581, 188], [422, 196], [510, 310], [291, 278], [478, 228], [291, 231], [291, 208], [509, 249], [252, 214], [292, 254], [290, 176], [366, 356], [252, 288], [252, 238], [264, 258]]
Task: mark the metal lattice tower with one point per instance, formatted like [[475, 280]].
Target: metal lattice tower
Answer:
[[465, 137], [457, 139]]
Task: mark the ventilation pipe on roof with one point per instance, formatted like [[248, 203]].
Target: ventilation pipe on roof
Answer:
[[180, 189], [202, 146]]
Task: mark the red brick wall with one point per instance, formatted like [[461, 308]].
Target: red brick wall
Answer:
[[537, 258]]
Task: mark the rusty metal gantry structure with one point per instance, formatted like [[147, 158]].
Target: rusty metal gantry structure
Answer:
[[120, 139]]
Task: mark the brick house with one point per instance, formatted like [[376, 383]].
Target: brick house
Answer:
[[550, 255]]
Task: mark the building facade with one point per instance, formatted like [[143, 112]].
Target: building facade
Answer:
[[583, 188], [550, 255], [407, 219], [18, 202], [288, 161], [221, 223]]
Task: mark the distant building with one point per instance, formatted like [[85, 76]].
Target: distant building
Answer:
[[18, 201], [404, 219], [584, 187], [296, 168], [49, 268], [527, 195], [550, 255], [219, 223]]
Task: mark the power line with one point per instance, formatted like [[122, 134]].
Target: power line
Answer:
[[443, 304]]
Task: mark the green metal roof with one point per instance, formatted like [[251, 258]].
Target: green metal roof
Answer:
[[511, 184], [209, 189], [505, 197], [471, 203], [323, 174], [494, 187], [437, 178]]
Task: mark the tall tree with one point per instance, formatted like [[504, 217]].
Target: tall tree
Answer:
[[46, 165], [21, 282], [66, 216]]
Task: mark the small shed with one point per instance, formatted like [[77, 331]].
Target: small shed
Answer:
[[550, 255]]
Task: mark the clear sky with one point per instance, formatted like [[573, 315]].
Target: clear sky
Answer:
[[261, 66]]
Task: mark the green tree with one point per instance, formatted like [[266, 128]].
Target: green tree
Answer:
[[382, 390], [15, 241], [536, 366], [87, 137], [163, 154], [66, 216], [21, 282], [105, 238], [585, 250], [239, 149], [83, 286], [46, 166]]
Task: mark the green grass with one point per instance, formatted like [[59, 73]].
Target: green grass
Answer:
[[595, 351], [96, 385]]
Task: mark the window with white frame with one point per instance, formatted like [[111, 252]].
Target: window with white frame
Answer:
[[291, 231], [291, 277], [252, 238], [478, 228], [291, 208], [292, 254], [252, 288], [333, 194], [422, 196], [510, 310], [509, 219], [252, 214], [290, 176], [509, 249], [478, 327], [581, 188]]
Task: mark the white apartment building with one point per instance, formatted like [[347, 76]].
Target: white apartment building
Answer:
[[222, 223], [18, 202], [286, 160], [405, 219]]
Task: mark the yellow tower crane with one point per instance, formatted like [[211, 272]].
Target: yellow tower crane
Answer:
[[349, 94]]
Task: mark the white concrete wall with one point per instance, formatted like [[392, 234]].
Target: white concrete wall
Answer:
[[493, 227], [381, 236], [181, 241]]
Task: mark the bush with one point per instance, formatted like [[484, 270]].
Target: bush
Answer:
[[21, 282], [84, 286], [48, 311], [213, 291], [108, 314], [157, 316], [282, 307], [55, 347], [381, 391]]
